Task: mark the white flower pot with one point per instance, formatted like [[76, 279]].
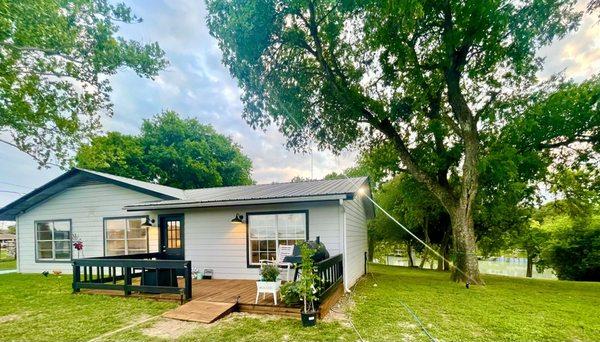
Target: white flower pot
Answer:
[[268, 286]]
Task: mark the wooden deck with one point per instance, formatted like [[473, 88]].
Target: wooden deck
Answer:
[[242, 292]]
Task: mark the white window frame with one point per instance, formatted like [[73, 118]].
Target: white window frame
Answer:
[[126, 238], [53, 241], [270, 213]]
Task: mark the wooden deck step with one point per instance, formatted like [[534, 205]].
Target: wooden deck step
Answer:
[[201, 311]]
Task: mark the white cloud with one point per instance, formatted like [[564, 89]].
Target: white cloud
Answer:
[[578, 54]]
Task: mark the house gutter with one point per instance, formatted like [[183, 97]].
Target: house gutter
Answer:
[[234, 203]]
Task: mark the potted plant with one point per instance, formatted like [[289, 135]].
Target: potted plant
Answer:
[[269, 282], [289, 293], [307, 286]]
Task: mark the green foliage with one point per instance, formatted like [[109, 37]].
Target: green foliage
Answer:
[[443, 89], [572, 245], [574, 254], [290, 293], [416, 208], [172, 151], [269, 272], [307, 284], [12, 229], [55, 57]]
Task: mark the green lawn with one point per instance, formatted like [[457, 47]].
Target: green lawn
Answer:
[[35, 308], [7, 263], [505, 309]]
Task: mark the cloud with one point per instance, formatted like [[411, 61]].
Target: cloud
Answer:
[[578, 53]]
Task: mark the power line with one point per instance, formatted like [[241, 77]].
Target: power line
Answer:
[[12, 192], [17, 185]]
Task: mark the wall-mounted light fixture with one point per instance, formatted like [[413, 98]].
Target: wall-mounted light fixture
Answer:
[[239, 218], [148, 223]]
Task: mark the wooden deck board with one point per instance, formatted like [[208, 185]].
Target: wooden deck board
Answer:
[[201, 311], [229, 291]]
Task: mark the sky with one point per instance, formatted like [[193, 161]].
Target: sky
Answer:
[[196, 84]]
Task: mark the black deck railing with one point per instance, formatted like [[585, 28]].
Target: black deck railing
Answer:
[[331, 273], [156, 273]]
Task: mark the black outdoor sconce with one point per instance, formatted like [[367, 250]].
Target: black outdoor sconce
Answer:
[[148, 223], [239, 218]]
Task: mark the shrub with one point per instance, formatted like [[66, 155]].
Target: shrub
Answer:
[[574, 253], [269, 272], [290, 293]]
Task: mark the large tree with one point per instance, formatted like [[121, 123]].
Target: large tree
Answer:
[[55, 59], [170, 150], [424, 76]]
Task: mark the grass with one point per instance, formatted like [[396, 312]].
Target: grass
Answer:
[[506, 309], [7, 263], [36, 308]]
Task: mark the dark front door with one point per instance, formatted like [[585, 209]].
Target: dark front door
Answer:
[[171, 236]]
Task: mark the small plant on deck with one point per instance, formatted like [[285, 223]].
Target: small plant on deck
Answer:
[[269, 272]]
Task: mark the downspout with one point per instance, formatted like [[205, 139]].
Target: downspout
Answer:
[[344, 244]]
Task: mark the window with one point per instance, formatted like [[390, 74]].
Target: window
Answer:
[[173, 234], [53, 240], [125, 236], [267, 231]]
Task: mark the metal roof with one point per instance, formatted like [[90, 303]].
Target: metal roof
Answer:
[[156, 188], [318, 190]]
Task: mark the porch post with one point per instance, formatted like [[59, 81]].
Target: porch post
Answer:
[[76, 277], [188, 280], [127, 280]]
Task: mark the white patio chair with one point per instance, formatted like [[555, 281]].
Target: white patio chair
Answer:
[[282, 252]]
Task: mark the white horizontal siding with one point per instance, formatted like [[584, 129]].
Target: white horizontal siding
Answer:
[[86, 206], [356, 240], [212, 241]]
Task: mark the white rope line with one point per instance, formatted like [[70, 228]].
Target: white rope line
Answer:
[[413, 314]]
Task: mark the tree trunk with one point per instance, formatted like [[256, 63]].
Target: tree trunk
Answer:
[[466, 267], [445, 252], [440, 262], [529, 266], [427, 241], [371, 248], [411, 263], [446, 258], [424, 259]]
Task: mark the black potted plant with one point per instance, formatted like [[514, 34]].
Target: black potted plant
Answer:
[[307, 286]]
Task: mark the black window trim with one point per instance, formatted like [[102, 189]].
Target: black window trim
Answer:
[[104, 219], [248, 214], [35, 242]]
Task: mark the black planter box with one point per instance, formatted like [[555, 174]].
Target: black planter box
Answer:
[[309, 319]]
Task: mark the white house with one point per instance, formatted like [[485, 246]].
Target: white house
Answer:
[[107, 213]]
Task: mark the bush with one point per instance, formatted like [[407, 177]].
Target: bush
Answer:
[[574, 253], [290, 293], [269, 272]]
